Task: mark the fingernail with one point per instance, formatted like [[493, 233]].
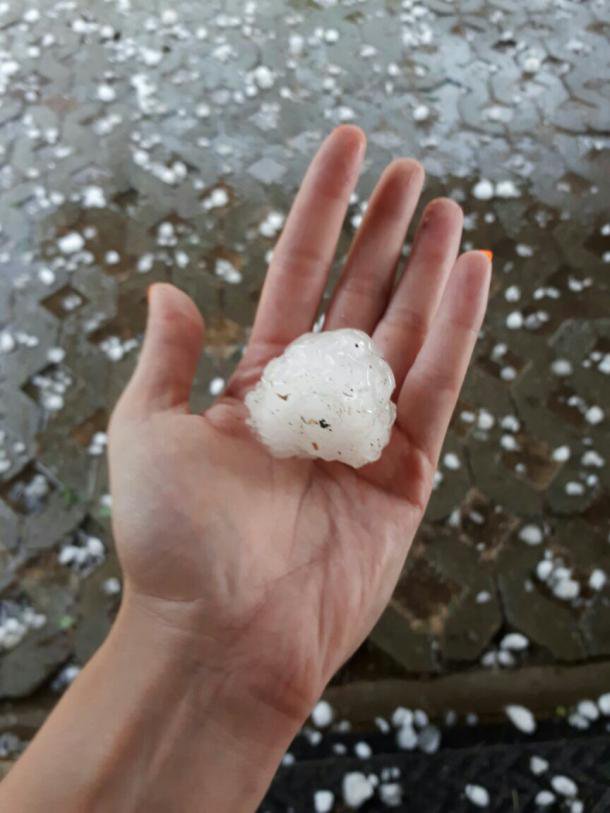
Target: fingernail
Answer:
[[489, 254], [149, 292]]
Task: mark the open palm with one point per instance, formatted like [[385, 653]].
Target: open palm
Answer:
[[278, 569]]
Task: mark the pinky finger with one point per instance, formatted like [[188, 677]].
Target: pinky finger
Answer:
[[431, 389]]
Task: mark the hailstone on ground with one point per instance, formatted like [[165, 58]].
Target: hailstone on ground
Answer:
[[328, 395]]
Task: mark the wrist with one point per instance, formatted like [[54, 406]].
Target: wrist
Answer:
[[230, 730]]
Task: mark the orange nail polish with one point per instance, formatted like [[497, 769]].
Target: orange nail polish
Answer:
[[487, 253]]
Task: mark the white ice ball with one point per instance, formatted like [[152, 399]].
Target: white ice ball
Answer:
[[328, 395]]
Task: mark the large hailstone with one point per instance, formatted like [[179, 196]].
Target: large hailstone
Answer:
[[327, 395]]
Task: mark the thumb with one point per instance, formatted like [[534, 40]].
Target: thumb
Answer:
[[172, 346]]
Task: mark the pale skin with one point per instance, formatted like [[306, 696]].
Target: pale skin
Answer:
[[249, 580]]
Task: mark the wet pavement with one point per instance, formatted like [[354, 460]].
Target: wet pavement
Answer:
[[141, 145]]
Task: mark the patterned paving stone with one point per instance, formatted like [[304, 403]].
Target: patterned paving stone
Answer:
[[139, 145]]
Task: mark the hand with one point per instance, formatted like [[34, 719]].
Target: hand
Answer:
[[249, 580], [275, 570]]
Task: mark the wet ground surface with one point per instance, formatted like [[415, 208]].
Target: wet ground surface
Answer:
[[142, 145]]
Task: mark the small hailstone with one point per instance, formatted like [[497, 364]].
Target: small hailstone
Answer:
[[485, 420], [429, 739], [515, 642], [328, 395], [93, 197], [511, 423], [182, 259], [451, 461], [521, 718], [322, 714], [98, 444], [169, 16], [532, 64], [514, 320], [509, 443], [421, 113], [112, 586], [574, 489], [7, 342], [46, 276], [564, 785], [71, 302], [588, 709], [603, 701], [357, 789], [489, 659], [95, 546], [594, 415], [363, 750], [390, 794], [531, 535], [483, 597], [323, 801], [65, 677], [71, 243], [483, 190], [345, 113], [264, 77], [420, 718], [578, 721], [314, 737], [566, 589], [55, 355], [145, 263], [592, 458], [477, 794], [402, 716], [52, 401], [382, 725], [406, 737], [217, 385], [227, 271], [538, 765], [561, 454], [272, 224], [561, 367], [544, 798], [597, 579], [217, 198], [507, 189], [561, 572], [106, 93], [506, 658], [604, 365]]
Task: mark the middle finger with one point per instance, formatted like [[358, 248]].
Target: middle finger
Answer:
[[362, 291]]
